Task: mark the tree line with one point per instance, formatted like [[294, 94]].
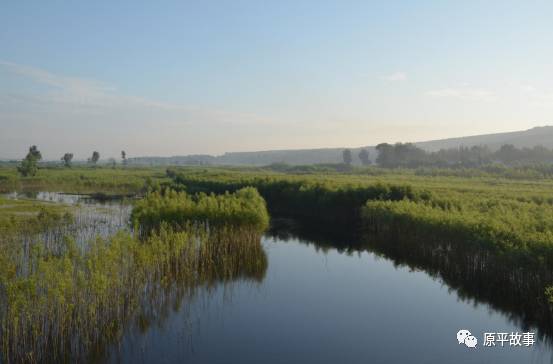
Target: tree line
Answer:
[[408, 155], [363, 155], [29, 165]]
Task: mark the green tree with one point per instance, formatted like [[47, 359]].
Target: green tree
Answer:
[[67, 158], [124, 157], [29, 165], [95, 157], [346, 156], [386, 155], [364, 157]]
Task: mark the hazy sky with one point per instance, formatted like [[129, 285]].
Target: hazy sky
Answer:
[[179, 77]]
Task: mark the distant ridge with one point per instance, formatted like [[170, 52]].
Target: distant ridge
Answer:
[[528, 138], [540, 135]]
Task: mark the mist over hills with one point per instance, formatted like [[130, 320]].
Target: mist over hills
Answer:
[[528, 138]]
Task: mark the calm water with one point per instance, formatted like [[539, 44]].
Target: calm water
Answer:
[[322, 306], [314, 303], [92, 217]]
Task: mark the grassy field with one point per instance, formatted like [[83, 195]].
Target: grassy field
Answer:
[[82, 180]]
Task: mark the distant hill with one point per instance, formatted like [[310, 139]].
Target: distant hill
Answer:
[[527, 138]]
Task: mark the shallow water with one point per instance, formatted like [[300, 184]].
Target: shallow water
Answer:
[[319, 301], [320, 305], [92, 217]]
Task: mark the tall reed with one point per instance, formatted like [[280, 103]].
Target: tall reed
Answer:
[[60, 301]]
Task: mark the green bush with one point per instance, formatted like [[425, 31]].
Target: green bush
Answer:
[[244, 208]]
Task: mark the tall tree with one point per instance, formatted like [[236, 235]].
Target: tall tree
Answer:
[[124, 157], [67, 158], [364, 157], [386, 157], [29, 165], [346, 156], [95, 157]]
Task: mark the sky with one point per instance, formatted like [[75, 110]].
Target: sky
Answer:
[[206, 77]]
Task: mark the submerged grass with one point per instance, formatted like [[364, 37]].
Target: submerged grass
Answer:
[[61, 302], [16, 215]]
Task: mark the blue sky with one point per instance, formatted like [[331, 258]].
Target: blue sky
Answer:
[[177, 77]]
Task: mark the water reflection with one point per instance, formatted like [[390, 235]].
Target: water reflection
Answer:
[[93, 215], [209, 260], [354, 308], [69, 198], [244, 262], [328, 297], [474, 275], [477, 277]]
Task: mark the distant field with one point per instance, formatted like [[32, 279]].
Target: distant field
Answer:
[[81, 180]]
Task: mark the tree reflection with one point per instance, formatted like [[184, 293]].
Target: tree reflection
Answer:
[[514, 289]]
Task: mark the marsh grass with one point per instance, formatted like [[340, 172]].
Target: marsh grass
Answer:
[[242, 212], [504, 221], [63, 301]]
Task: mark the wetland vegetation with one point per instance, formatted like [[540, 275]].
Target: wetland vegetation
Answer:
[[63, 300], [503, 228], [67, 295]]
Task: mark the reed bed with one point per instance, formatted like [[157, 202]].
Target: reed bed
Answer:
[[305, 197], [505, 221], [245, 210], [62, 301]]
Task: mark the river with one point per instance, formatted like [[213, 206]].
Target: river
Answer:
[[322, 299]]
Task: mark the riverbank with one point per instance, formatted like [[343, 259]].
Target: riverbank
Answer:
[[508, 221]]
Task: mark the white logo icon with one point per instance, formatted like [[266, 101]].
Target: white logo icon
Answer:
[[465, 337], [471, 341], [462, 335]]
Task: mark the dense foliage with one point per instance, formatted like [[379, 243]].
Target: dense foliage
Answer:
[[506, 214], [29, 165], [522, 229], [496, 217], [245, 208], [302, 197]]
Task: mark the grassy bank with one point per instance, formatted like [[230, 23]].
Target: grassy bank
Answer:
[[332, 199], [508, 220]]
